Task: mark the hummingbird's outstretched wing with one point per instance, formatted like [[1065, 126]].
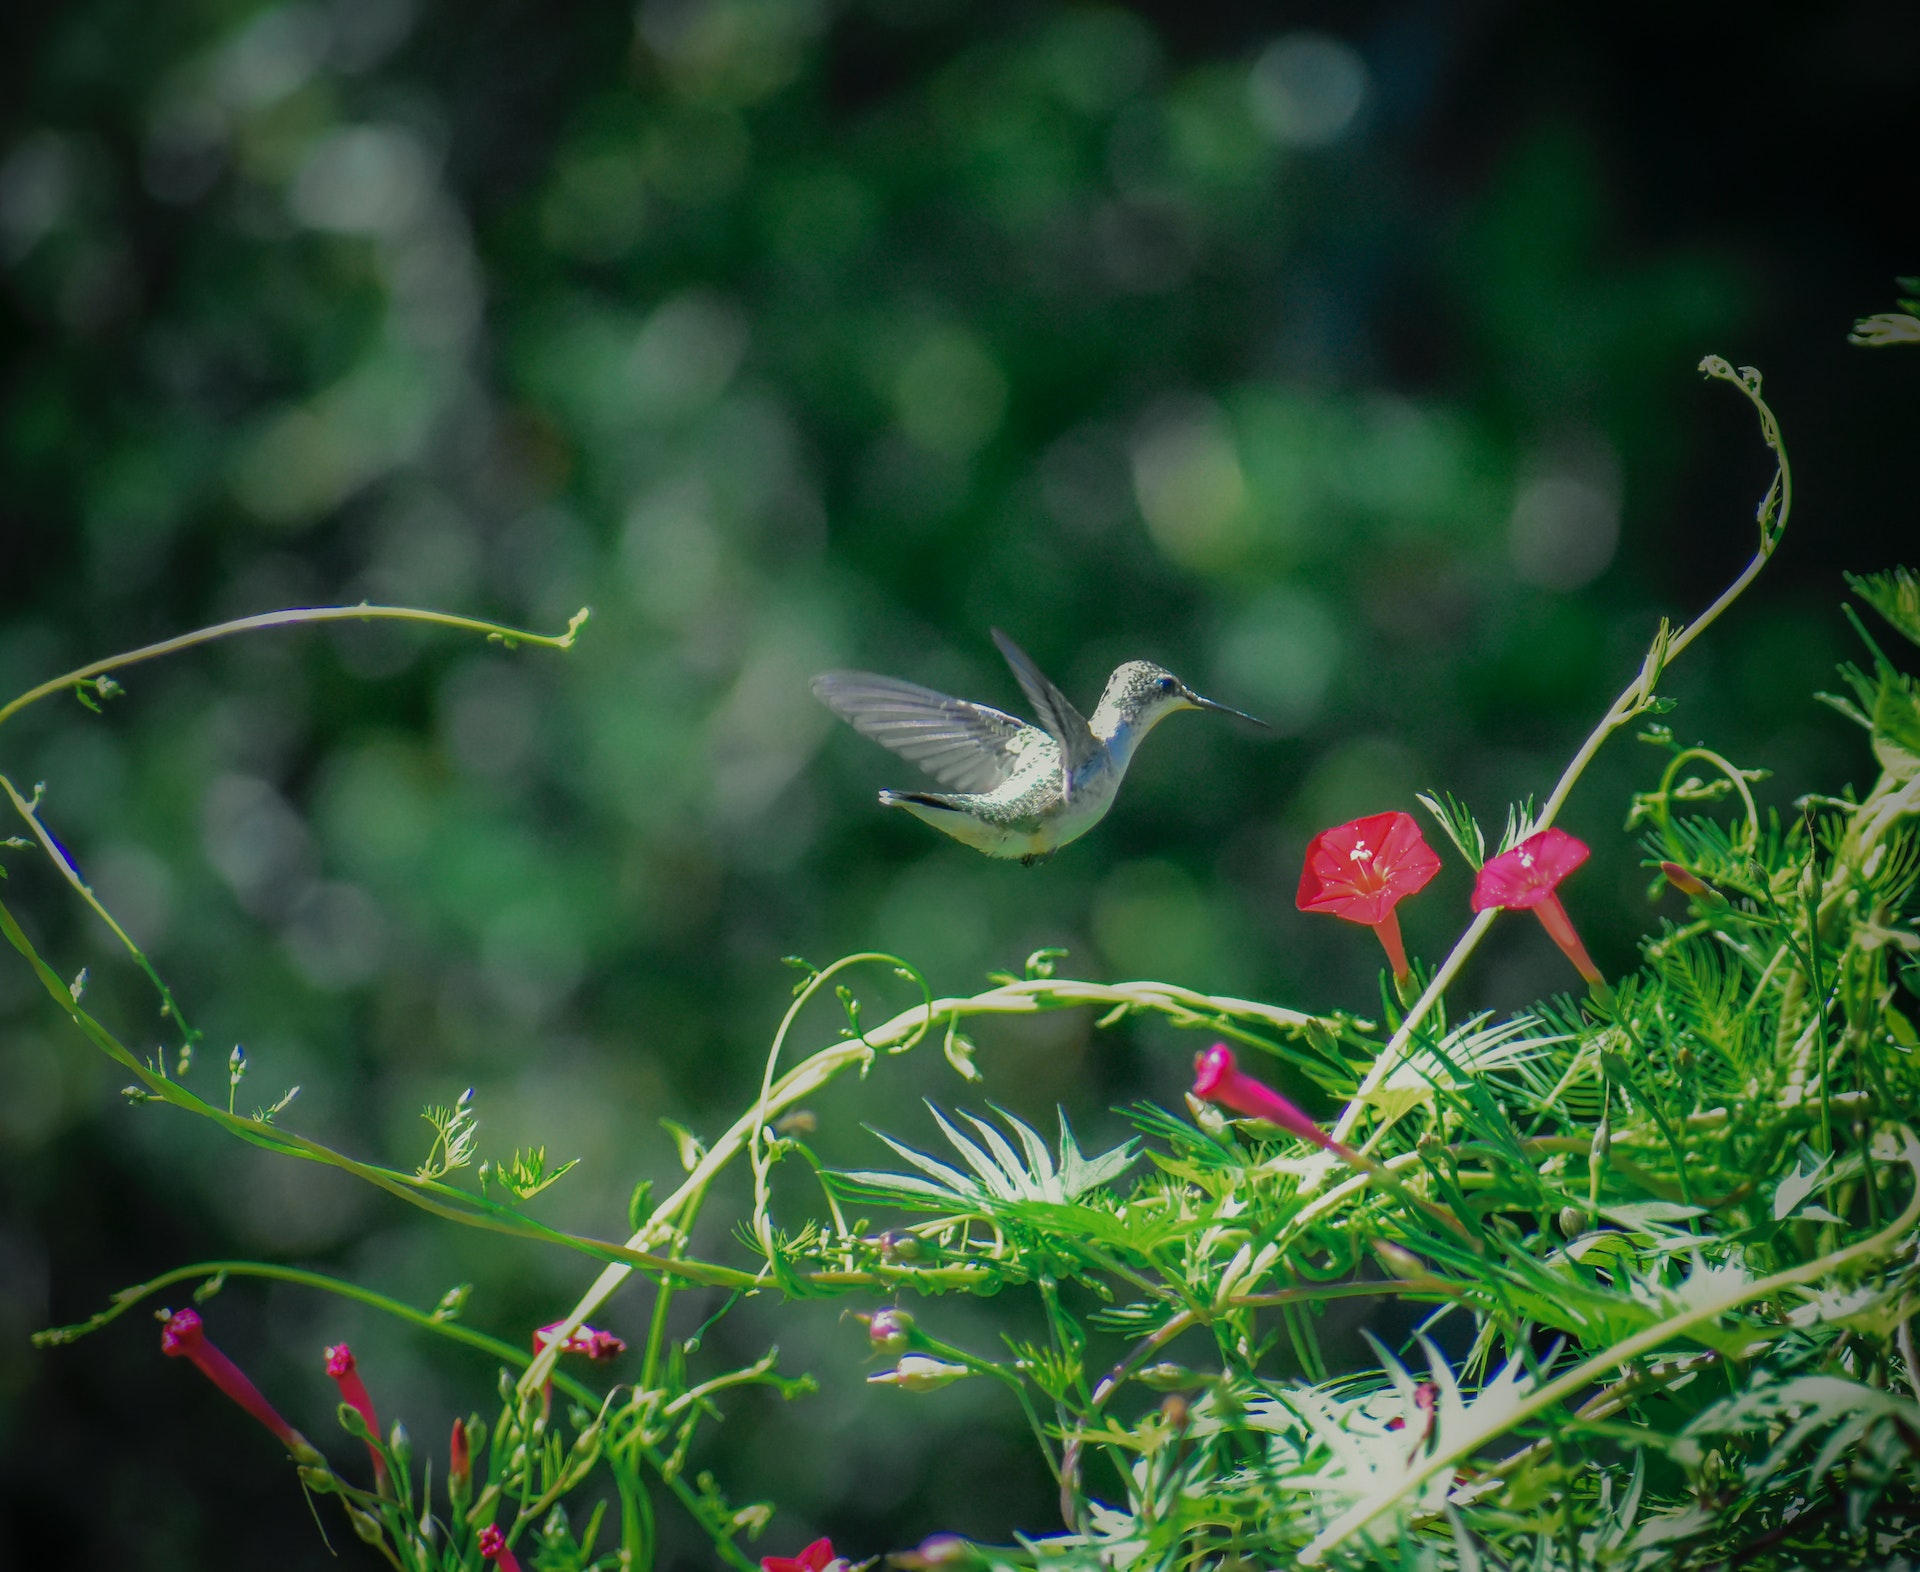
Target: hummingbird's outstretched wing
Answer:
[[1066, 725], [968, 747]]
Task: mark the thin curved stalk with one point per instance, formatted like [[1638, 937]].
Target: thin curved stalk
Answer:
[[1634, 700], [293, 617], [1030, 996]]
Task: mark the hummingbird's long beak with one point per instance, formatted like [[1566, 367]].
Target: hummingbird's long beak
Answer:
[[1209, 704]]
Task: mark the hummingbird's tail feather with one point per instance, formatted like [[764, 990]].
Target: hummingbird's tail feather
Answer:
[[926, 799]]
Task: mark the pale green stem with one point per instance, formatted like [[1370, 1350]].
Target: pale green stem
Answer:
[[1633, 700], [293, 617]]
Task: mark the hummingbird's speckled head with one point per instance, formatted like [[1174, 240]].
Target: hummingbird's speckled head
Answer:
[[1140, 694]]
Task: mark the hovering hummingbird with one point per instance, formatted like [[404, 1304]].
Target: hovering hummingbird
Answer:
[[1018, 790]]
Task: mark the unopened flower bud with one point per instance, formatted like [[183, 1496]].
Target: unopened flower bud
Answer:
[[918, 1373], [365, 1524], [182, 1336], [1573, 1221], [1400, 1261], [1167, 1377], [1683, 881], [1174, 1411], [459, 1463], [400, 1444], [890, 1331], [902, 1247]]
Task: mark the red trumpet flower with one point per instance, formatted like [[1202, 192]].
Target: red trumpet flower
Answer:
[[588, 1340], [1218, 1079], [184, 1337], [1362, 870], [597, 1345], [353, 1391], [1526, 877], [493, 1547]]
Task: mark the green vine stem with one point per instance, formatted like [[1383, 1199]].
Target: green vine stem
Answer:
[[1635, 699], [293, 617], [670, 1219]]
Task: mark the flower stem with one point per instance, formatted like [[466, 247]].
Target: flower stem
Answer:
[[1553, 917], [1388, 929], [1633, 700]]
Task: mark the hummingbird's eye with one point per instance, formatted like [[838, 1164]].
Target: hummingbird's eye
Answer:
[[1167, 683]]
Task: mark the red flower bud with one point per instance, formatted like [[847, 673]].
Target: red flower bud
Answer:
[[184, 1337], [353, 1391], [595, 1344], [1685, 882], [459, 1460], [591, 1341]]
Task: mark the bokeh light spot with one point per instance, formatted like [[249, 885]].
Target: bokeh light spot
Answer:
[[1151, 919], [1277, 657], [949, 394], [1187, 478], [1306, 89]]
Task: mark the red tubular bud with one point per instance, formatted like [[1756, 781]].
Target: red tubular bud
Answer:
[[459, 1461], [1682, 880]]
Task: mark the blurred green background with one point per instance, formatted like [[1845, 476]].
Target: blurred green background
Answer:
[[1340, 358]]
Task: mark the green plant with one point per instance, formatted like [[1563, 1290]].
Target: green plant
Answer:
[[1665, 1233]]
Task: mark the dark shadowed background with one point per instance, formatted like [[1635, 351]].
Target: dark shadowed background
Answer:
[[1340, 358]]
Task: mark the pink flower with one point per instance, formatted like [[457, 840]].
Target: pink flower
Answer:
[[1218, 1079], [595, 1344], [493, 1547], [183, 1337], [1362, 870], [1526, 877], [588, 1340], [353, 1391], [817, 1557]]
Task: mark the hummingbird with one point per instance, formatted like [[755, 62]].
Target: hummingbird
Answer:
[[1017, 790]]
